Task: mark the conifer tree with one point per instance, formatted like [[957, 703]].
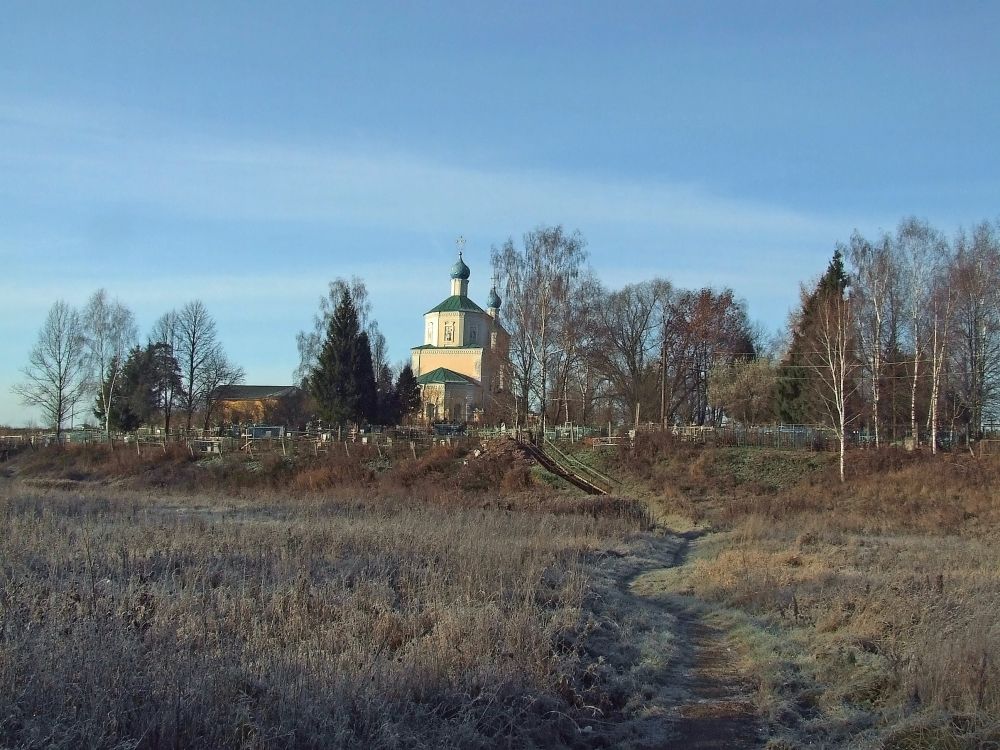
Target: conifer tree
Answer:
[[387, 406], [132, 403], [145, 379], [342, 382], [365, 376], [407, 392], [798, 400]]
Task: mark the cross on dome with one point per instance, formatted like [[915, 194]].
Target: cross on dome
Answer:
[[460, 271]]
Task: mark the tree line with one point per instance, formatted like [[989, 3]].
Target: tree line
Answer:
[[94, 356], [899, 339], [584, 353]]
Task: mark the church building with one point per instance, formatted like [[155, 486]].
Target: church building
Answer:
[[461, 364]]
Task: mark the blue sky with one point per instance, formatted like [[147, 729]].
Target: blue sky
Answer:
[[247, 153]]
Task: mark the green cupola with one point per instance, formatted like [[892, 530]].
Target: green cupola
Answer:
[[460, 270]]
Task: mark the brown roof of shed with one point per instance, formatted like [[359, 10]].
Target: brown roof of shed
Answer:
[[253, 392]]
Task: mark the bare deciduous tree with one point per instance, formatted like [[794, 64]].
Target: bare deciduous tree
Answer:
[[918, 247], [744, 390], [976, 320], [56, 376], [197, 343], [540, 280], [836, 364], [874, 281], [217, 372], [701, 330], [628, 335], [942, 304], [574, 337], [109, 332]]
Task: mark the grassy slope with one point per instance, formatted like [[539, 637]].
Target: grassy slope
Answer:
[[867, 610]]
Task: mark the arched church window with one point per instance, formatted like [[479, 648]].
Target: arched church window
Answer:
[[449, 332], [473, 333]]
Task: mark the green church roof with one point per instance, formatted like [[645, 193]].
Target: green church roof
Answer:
[[444, 375], [457, 303]]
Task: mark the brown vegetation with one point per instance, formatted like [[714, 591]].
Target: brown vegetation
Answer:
[[355, 617], [443, 601], [868, 609]]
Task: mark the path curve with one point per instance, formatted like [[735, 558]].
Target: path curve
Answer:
[[680, 668]]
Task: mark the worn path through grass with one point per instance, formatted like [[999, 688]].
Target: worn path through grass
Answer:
[[680, 669]]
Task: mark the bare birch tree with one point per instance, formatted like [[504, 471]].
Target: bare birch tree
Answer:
[[942, 304], [109, 332], [874, 284], [835, 362], [976, 322], [56, 376], [918, 246], [539, 279]]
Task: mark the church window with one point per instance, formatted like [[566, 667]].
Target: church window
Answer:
[[472, 334], [449, 332]]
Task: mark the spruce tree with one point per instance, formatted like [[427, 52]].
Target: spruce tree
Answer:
[[364, 375], [342, 382], [161, 377], [145, 379], [387, 407], [798, 402], [132, 402], [407, 392]]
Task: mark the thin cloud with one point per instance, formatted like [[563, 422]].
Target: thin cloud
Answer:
[[82, 156]]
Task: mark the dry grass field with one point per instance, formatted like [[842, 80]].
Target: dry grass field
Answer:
[[161, 601], [868, 613], [270, 618]]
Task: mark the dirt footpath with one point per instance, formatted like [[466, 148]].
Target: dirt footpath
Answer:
[[674, 673]]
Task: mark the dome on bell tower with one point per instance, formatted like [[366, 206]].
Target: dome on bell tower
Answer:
[[460, 270]]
